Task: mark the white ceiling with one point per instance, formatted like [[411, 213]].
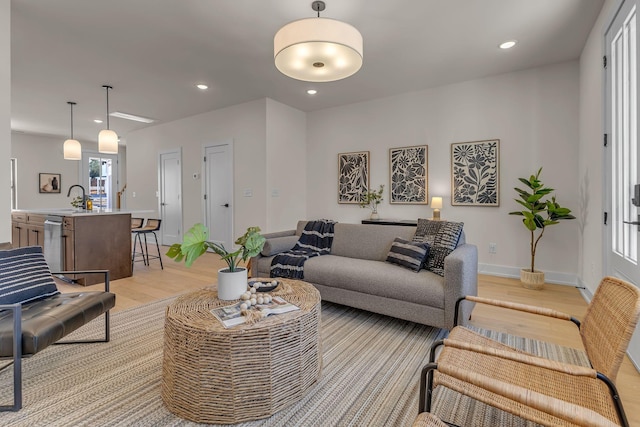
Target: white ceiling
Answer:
[[154, 51]]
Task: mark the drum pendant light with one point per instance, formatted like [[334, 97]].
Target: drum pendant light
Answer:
[[72, 150], [107, 139], [318, 49]]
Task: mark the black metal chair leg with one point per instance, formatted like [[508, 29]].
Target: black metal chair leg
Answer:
[[158, 247]]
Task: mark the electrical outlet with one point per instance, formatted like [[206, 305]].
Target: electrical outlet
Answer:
[[493, 248]]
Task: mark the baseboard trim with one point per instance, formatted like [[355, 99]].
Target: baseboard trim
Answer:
[[514, 272]]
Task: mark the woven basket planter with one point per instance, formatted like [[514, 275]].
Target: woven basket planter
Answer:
[[532, 280]]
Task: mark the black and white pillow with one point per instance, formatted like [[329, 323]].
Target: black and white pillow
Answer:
[[442, 237], [408, 254], [25, 276]]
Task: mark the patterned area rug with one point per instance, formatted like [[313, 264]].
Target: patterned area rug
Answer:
[[370, 376]]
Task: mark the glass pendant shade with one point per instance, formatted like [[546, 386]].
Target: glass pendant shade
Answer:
[[108, 142], [72, 150], [318, 50]]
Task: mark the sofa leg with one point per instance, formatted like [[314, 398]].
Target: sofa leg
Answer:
[[17, 360]]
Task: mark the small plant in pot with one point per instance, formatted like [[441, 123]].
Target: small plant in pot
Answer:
[[539, 212], [232, 281], [372, 199]]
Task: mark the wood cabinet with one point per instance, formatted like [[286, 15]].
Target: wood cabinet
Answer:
[[27, 229]]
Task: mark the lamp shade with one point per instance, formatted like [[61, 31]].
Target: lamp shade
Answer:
[[72, 150], [318, 50], [108, 142], [436, 202]]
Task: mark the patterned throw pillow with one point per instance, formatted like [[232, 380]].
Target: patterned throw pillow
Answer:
[[442, 237], [25, 276], [408, 254]]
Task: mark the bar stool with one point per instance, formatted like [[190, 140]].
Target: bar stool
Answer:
[[136, 224], [150, 227]]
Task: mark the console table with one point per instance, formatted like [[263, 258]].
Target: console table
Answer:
[[401, 222]]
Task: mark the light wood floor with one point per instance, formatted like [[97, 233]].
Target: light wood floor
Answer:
[[151, 283]]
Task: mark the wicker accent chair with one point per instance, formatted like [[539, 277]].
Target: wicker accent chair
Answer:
[[606, 329]]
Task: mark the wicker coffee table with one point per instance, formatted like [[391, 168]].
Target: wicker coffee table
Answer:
[[215, 375]]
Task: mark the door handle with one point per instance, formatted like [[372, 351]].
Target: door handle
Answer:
[[637, 223], [226, 205], [163, 204]]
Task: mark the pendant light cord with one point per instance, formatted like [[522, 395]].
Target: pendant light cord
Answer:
[[71, 104], [107, 87]]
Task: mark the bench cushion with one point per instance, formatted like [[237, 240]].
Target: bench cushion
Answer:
[[25, 276], [46, 321]]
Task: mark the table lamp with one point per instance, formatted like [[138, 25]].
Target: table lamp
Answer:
[[436, 205]]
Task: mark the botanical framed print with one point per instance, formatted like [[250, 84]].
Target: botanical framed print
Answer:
[[475, 173], [49, 182], [353, 176], [408, 175]]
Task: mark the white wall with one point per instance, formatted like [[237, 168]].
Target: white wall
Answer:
[[41, 154], [5, 119], [534, 113], [286, 166], [246, 126]]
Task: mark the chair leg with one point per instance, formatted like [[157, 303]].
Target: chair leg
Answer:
[[158, 247], [17, 360]]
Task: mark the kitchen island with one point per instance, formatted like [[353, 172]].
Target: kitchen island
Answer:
[[78, 240]]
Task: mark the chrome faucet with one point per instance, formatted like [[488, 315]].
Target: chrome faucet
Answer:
[[84, 200]]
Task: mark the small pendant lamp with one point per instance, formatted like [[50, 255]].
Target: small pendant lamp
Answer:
[[107, 139], [71, 148]]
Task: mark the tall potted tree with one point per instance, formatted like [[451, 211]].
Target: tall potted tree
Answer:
[[539, 212], [232, 281]]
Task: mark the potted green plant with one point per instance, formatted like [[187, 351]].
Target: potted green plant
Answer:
[[372, 199], [232, 281], [539, 213]]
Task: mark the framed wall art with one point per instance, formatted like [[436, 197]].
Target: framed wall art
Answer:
[[475, 173], [408, 175], [49, 182], [353, 176]]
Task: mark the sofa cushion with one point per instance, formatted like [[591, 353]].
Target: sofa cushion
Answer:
[[25, 276], [376, 278], [367, 241], [408, 254], [275, 245], [442, 237]]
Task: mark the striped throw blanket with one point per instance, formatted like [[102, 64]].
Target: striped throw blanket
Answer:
[[315, 240]]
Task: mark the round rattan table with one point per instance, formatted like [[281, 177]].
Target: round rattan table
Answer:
[[251, 371]]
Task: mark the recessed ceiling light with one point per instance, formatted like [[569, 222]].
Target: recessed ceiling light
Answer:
[[312, 91], [508, 44], [202, 86], [97, 120], [133, 117]]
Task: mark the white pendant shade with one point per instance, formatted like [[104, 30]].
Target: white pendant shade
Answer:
[[72, 150], [108, 142], [318, 50]]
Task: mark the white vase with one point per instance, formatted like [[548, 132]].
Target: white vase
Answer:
[[374, 215], [231, 284]]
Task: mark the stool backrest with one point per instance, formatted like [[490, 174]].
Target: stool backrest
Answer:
[[152, 224], [136, 222]]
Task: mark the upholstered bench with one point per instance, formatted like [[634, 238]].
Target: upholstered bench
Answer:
[[34, 314]]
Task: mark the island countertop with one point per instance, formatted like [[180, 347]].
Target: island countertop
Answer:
[[79, 212]]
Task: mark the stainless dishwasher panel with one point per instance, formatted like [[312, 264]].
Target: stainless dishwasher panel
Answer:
[[53, 250]]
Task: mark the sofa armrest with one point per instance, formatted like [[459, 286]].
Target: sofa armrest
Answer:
[[461, 279], [276, 242]]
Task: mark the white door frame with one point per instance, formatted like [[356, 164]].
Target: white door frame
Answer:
[[205, 214], [177, 151]]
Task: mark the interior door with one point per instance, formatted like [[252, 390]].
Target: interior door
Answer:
[[170, 176], [622, 153], [621, 123], [218, 192]]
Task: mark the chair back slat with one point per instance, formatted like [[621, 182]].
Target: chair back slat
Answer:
[[609, 323]]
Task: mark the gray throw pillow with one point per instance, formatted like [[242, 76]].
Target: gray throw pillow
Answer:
[[408, 254], [275, 245], [442, 237]]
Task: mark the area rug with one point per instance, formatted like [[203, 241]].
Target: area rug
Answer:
[[370, 377]]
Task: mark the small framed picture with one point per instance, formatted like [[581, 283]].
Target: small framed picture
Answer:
[[49, 183], [353, 176], [475, 173]]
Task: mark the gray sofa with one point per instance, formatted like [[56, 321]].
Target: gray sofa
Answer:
[[356, 274]]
